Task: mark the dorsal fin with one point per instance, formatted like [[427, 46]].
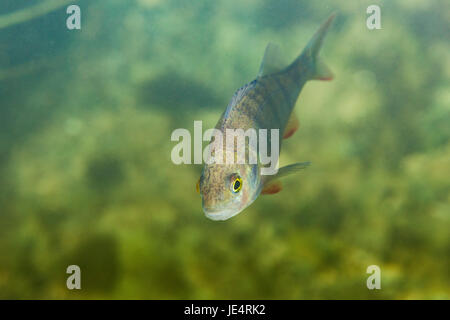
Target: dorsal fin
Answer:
[[271, 62]]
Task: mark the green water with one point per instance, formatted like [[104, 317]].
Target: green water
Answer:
[[86, 176]]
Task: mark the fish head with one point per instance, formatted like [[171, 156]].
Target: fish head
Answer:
[[227, 189]]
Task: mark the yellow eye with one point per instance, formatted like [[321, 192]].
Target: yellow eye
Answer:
[[236, 185]]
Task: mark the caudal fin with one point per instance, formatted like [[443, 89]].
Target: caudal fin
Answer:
[[309, 58]]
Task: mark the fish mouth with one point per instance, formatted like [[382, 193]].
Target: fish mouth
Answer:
[[220, 214]]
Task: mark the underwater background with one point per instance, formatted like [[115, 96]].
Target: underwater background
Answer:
[[86, 176]]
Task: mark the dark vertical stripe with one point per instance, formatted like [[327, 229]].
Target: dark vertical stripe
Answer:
[[286, 95], [271, 105]]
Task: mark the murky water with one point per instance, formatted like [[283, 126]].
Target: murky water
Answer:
[[86, 176]]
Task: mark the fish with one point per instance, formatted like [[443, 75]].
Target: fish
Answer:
[[267, 102]]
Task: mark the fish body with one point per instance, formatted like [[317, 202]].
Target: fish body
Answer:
[[265, 103]]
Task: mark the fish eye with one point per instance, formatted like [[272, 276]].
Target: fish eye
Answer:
[[236, 184]]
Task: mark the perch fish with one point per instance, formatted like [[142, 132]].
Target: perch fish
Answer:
[[265, 103]]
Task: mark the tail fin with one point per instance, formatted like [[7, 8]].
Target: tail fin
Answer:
[[310, 59]]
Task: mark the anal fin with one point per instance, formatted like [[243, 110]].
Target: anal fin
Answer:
[[292, 126]]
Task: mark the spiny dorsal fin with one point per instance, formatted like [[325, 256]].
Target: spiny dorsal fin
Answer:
[[271, 62], [292, 126]]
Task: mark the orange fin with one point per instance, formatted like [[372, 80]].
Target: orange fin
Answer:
[[292, 126], [272, 188]]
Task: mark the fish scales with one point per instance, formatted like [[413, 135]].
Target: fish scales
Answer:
[[268, 104]]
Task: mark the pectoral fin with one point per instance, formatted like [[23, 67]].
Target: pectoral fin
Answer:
[[272, 184], [272, 188]]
